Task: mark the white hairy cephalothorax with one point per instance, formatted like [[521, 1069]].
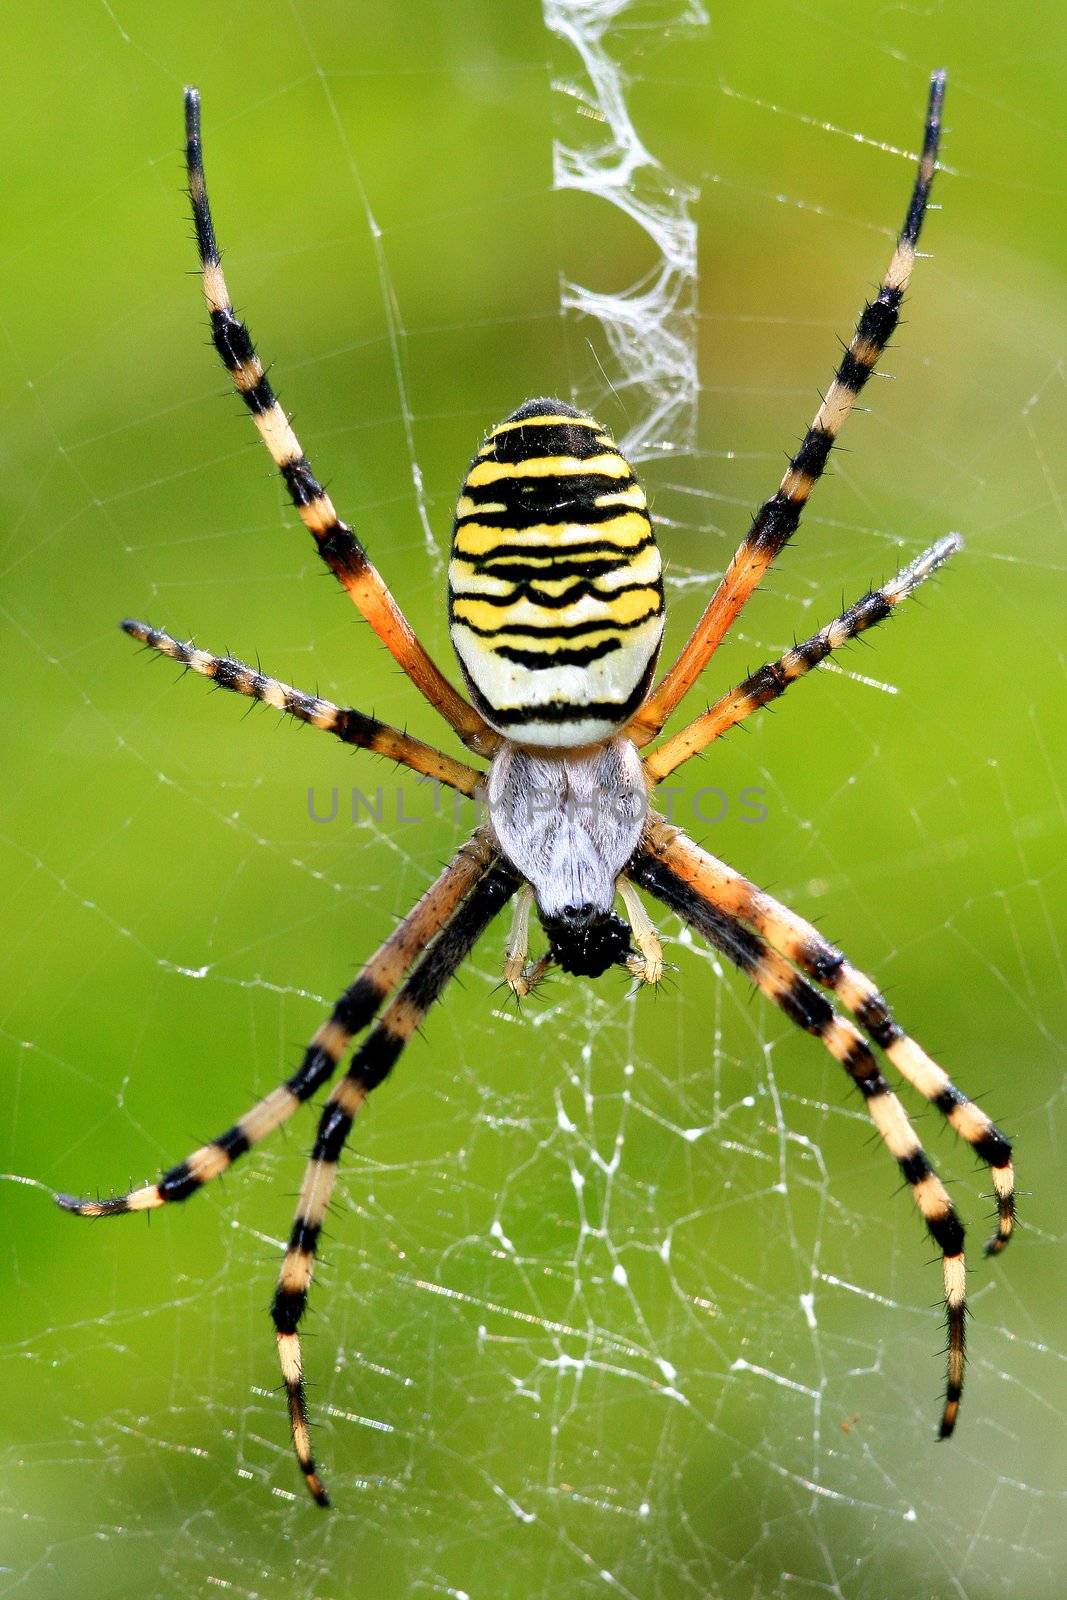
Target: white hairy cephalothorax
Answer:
[[569, 822]]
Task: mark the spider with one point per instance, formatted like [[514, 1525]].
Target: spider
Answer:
[[556, 614]]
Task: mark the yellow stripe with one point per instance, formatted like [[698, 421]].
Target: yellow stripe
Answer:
[[633, 606], [475, 539], [207, 1162], [539, 644], [633, 496], [471, 577], [465, 505], [467, 580], [608, 465], [546, 422], [269, 1114]]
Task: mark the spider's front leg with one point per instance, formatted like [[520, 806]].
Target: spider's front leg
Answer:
[[336, 542], [778, 518]]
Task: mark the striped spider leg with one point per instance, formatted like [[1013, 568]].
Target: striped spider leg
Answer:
[[777, 520], [771, 680], [556, 616], [445, 923], [732, 895], [336, 542], [370, 1066], [352, 1013], [345, 722], [768, 942]]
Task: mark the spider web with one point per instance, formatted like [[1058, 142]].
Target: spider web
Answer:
[[619, 1297]]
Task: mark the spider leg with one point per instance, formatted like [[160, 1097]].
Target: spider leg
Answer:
[[353, 1012], [337, 544], [810, 1010], [647, 965], [777, 520], [370, 1066], [734, 896], [349, 725], [773, 679], [518, 945]]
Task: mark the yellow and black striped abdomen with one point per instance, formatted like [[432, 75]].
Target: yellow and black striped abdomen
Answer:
[[555, 589]]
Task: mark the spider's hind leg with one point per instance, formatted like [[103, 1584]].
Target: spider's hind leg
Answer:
[[370, 1066], [808, 1009], [725, 889], [353, 1012]]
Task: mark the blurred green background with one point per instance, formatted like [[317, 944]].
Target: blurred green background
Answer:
[[620, 1296]]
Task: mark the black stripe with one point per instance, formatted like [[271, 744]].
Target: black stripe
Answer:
[[178, 1183], [550, 564], [813, 650], [852, 374], [357, 728], [550, 630], [305, 1235], [358, 1004], [234, 1142], [820, 960], [871, 1085], [523, 516], [231, 338], [993, 1148], [743, 947], [259, 398], [555, 439], [543, 405], [287, 1308], [746, 949], [774, 523], [194, 161], [867, 612], [459, 936], [880, 317], [538, 661], [334, 1127], [915, 1167], [765, 684], [227, 672], [582, 589], [557, 557], [341, 552], [931, 139], [561, 711], [947, 1232], [806, 1007], [873, 1015], [554, 498], [551, 489], [813, 453], [313, 1071], [301, 482], [375, 1059]]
